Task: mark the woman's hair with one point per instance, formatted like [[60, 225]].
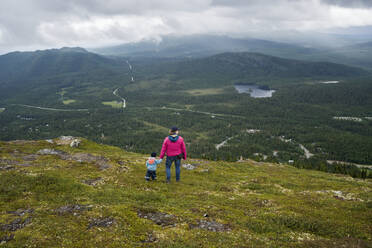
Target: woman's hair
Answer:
[[172, 132]]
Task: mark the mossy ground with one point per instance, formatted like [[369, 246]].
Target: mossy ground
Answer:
[[264, 205]]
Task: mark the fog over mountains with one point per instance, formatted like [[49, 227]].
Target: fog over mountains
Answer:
[[357, 54], [44, 24]]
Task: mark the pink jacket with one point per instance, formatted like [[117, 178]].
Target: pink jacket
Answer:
[[173, 148]]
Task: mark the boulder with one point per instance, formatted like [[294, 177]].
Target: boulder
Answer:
[[65, 140], [161, 219], [75, 143], [188, 166]]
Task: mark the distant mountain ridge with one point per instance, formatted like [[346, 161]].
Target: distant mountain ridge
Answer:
[[245, 64], [198, 46], [24, 65]]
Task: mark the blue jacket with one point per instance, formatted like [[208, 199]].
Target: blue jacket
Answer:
[[152, 163]]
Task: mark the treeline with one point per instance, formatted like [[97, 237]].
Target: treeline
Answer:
[[339, 168]]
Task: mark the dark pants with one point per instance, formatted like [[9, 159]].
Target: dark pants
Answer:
[[150, 174], [168, 164]]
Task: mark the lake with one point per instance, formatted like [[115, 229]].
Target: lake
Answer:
[[255, 91]]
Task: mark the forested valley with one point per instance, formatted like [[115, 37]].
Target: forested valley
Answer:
[[307, 122]]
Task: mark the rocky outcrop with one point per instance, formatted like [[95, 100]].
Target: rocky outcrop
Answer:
[[75, 143], [21, 212], [101, 222], [93, 181], [161, 219], [100, 161], [212, 226], [65, 140], [16, 224], [48, 151], [6, 238], [73, 209]]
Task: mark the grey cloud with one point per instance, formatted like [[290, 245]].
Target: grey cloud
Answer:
[[350, 3], [122, 6], [51, 23], [341, 3], [240, 3]]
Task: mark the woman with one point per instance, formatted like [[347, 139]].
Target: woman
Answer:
[[175, 149]]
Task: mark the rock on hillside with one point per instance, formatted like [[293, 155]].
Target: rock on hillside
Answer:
[[52, 194]]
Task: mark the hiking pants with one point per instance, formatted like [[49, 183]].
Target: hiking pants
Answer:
[[150, 174], [168, 164]]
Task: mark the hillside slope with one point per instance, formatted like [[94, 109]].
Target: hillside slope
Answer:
[[52, 195], [357, 54], [26, 65], [253, 65]]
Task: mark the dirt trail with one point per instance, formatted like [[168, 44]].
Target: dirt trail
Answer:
[[198, 112], [51, 109], [308, 154], [115, 92]]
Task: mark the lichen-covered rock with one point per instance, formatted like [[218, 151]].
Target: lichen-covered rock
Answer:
[[73, 209], [151, 238], [8, 162], [6, 238], [6, 167], [101, 222], [93, 181], [263, 203], [102, 162], [340, 195], [212, 226], [188, 166], [16, 224], [30, 157], [22, 142], [162, 219], [65, 140], [21, 212], [75, 143], [48, 151]]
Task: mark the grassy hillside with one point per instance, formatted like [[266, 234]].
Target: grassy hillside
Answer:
[[96, 196]]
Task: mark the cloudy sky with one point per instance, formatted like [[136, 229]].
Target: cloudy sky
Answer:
[[37, 24]]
